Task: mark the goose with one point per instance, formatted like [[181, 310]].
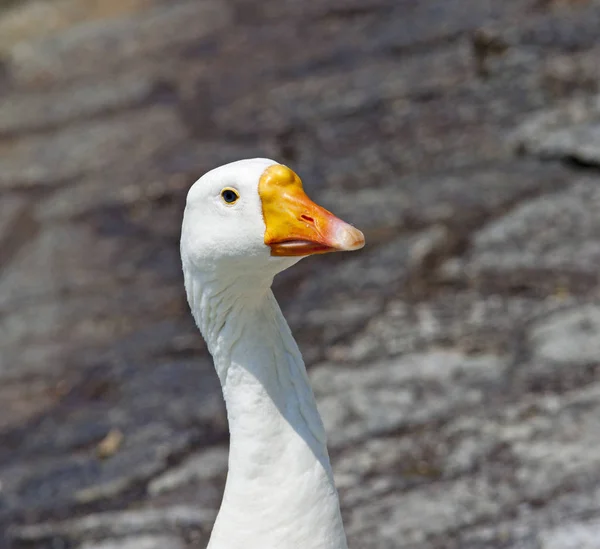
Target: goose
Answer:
[[243, 223]]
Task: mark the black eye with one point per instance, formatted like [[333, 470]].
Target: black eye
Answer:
[[229, 195]]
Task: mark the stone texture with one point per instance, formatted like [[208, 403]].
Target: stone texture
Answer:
[[17, 226], [581, 535], [35, 111], [357, 404], [454, 359], [119, 524], [565, 75], [571, 131], [568, 337], [338, 94], [138, 542], [39, 19], [78, 150], [85, 49], [195, 469], [557, 243]]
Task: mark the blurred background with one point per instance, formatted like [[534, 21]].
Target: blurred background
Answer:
[[455, 358]]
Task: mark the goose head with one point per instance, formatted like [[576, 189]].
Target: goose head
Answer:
[[252, 219]]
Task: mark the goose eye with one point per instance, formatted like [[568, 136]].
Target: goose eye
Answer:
[[229, 196]]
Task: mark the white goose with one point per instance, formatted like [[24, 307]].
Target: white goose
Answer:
[[243, 223]]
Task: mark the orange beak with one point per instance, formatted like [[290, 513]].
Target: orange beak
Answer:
[[295, 225]]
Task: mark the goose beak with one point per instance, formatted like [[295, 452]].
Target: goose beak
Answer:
[[295, 225]]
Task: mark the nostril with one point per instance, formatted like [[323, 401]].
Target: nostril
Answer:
[[308, 219]]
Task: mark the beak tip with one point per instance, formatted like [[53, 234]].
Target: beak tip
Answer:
[[351, 239]]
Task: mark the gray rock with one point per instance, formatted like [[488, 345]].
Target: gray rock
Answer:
[[35, 111], [550, 242], [570, 337], [420, 515], [357, 403], [465, 320], [565, 75], [571, 131], [78, 150], [34, 20], [17, 226], [573, 535], [114, 524], [276, 108], [99, 46], [203, 466], [137, 542]]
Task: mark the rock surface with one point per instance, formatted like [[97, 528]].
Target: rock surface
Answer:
[[454, 359]]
